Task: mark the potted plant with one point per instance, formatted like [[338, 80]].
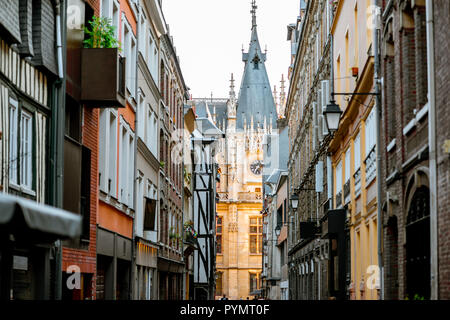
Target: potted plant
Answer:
[[102, 69]]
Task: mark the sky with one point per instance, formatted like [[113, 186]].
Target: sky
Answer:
[[209, 35]]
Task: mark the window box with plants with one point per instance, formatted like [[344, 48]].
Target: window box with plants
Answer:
[[102, 68], [190, 235]]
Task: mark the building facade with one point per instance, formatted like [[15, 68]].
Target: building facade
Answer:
[[173, 97], [151, 27], [275, 266], [310, 170], [353, 147], [31, 129], [244, 120], [415, 157]]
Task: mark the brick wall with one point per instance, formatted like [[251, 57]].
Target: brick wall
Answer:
[[442, 60], [87, 259]]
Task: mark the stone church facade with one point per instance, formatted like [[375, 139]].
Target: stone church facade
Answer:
[[244, 119]]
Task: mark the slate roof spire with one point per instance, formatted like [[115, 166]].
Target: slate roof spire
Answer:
[[255, 94]]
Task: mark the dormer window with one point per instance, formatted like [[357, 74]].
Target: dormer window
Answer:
[[256, 60]]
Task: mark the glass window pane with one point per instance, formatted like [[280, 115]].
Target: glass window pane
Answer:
[[253, 244]]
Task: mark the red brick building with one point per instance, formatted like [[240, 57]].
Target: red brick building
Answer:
[[80, 163], [442, 78], [416, 258]]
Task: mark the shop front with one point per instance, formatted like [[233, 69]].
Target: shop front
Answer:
[[28, 232], [113, 265], [145, 274]]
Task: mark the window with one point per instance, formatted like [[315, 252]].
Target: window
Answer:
[[219, 283], [219, 235], [347, 165], [26, 140], [13, 130], [254, 282], [338, 182], [255, 235], [370, 132], [152, 57], [126, 165], [357, 152], [141, 119], [108, 152], [142, 35], [111, 10], [129, 44]]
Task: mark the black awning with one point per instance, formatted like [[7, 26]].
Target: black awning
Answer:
[[20, 214]]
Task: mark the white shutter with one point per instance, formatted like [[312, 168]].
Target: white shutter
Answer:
[[339, 177], [329, 177], [324, 126], [319, 176], [347, 165], [314, 125], [102, 149], [357, 152], [325, 89]]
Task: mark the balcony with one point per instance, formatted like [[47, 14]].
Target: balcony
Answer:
[[309, 229], [102, 77], [347, 192], [223, 196], [250, 196]]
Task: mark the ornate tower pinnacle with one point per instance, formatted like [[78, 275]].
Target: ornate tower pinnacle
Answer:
[[282, 97], [253, 12], [232, 93]]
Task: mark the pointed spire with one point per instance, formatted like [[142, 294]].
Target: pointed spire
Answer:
[[275, 96], [232, 93], [282, 96], [253, 12]]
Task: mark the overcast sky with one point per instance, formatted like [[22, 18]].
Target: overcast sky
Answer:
[[209, 34]]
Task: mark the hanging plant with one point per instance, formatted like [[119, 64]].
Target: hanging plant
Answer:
[[101, 34]]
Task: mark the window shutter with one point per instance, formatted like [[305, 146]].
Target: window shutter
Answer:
[[319, 176]]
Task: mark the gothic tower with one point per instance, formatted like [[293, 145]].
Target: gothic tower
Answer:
[[239, 224]]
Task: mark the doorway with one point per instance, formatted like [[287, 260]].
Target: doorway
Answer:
[[418, 246]]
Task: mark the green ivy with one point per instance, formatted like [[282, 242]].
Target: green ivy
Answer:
[[101, 34]]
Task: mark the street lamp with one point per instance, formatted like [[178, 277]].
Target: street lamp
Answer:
[[332, 115], [278, 231], [294, 202]]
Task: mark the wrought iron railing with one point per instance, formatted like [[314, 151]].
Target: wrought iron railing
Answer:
[[371, 165], [347, 192], [339, 199]]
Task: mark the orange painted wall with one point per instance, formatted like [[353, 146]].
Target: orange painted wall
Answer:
[[114, 220]]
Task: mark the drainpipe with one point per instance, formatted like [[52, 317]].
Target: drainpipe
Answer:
[[432, 150], [58, 39], [136, 138], [57, 137], [377, 82]]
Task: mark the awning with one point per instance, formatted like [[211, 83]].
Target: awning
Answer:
[[20, 214]]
